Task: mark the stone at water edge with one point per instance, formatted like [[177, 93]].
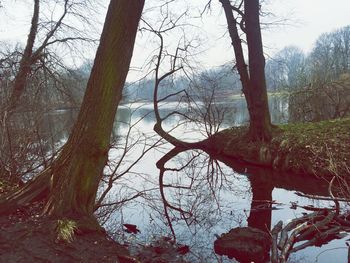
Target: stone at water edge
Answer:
[[245, 244]]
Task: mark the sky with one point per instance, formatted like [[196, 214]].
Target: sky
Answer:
[[300, 23], [311, 18]]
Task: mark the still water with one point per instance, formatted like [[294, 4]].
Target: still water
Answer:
[[198, 196]]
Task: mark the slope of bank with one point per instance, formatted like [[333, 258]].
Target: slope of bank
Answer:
[[321, 148], [25, 236], [28, 236]]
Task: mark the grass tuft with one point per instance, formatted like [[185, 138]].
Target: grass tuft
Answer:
[[65, 229]]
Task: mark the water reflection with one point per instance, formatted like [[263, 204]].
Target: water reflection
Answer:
[[236, 112], [261, 205], [218, 190], [192, 196], [44, 133]]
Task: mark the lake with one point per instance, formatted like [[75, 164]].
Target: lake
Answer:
[[197, 196]]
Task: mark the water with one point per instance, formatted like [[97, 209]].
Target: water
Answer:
[[200, 196]]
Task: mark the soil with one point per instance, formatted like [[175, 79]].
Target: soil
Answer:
[[26, 236]]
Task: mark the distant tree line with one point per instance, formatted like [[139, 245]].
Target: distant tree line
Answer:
[[291, 68]]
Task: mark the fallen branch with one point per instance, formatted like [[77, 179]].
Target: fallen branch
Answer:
[[319, 197], [319, 227], [274, 233], [294, 223], [286, 250], [321, 236]]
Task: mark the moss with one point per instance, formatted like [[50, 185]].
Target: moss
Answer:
[[65, 230], [320, 148]]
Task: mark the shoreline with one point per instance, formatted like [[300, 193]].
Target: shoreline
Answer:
[[319, 149]]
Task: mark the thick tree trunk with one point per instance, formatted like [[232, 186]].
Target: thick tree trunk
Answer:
[[85, 154], [237, 45], [253, 82], [76, 173], [260, 120]]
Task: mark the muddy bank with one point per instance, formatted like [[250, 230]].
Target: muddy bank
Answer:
[[318, 149], [26, 236]]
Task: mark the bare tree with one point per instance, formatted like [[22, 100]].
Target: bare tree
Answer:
[[177, 60], [330, 57], [287, 70], [26, 61], [33, 81], [42, 35], [253, 79], [208, 108]]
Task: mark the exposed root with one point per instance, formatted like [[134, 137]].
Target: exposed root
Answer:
[[35, 190]]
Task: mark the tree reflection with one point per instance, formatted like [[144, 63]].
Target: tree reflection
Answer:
[[197, 193], [261, 205]]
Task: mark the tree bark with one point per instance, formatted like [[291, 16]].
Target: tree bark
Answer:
[[76, 173], [260, 120], [253, 81]]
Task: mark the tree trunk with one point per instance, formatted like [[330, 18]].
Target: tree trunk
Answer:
[[24, 70], [260, 121], [76, 173], [253, 82]]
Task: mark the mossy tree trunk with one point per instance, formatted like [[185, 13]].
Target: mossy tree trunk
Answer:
[[253, 80], [70, 184]]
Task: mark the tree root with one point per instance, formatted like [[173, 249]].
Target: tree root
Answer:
[[34, 190]]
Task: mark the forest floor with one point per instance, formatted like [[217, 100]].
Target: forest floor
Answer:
[[31, 238], [26, 236], [320, 148]]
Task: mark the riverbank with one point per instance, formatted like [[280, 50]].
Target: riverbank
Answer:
[[26, 236], [318, 149]]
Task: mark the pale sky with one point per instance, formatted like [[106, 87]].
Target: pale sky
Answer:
[[312, 17], [306, 20]]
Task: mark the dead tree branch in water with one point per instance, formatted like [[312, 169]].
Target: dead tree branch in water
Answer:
[[316, 228]]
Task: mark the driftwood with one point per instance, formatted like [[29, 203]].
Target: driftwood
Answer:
[[274, 233], [319, 197], [315, 228]]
